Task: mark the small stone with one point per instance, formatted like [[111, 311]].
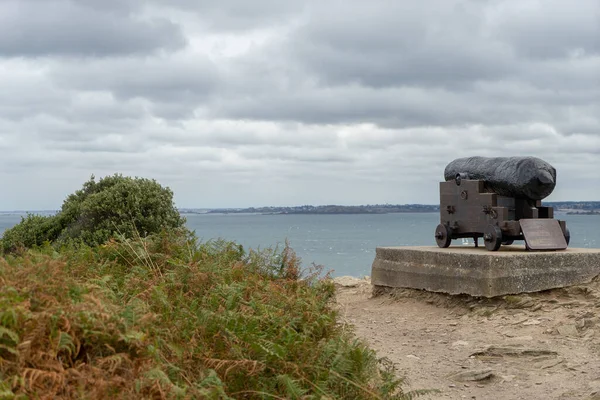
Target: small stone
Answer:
[[532, 322], [594, 386], [589, 334], [452, 385], [547, 364], [347, 281], [412, 357], [522, 338], [513, 351], [572, 366], [472, 375], [460, 343], [567, 330]]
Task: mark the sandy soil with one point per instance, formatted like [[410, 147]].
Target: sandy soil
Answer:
[[537, 346]]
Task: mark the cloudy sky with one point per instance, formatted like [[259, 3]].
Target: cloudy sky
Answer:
[[236, 103]]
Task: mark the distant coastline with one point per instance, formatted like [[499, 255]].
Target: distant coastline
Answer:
[[569, 207], [330, 209], [576, 207]]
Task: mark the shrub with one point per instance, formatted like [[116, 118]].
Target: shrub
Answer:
[[115, 205], [33, 230]]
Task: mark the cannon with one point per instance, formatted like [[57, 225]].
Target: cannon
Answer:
[[499, 199]]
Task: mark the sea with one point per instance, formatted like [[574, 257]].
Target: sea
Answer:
[[344, 244]]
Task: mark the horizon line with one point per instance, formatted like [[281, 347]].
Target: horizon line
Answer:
[[295, 206]]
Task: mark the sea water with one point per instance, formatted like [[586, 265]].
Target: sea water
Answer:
[[343, 243]]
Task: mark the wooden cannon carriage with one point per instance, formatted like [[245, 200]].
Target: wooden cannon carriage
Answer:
[[470, 209]]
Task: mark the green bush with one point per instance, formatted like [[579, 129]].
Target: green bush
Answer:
[[113, 206], [33, 230]]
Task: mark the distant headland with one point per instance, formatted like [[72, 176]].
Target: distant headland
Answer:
[[570, 207], [336, 209]]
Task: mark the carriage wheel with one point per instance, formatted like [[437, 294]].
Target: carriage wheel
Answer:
[[442, 236], [492, 237], [567, 235]]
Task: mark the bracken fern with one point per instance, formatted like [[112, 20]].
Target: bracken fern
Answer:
[[168, 317]]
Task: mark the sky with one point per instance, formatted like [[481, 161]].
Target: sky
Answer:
[[238, 103]]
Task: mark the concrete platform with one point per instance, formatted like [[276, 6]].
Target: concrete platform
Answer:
[[478, 272]]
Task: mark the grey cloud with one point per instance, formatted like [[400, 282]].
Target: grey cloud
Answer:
[[442, 43], [385, 43], [235, 134], [73, 28], [25, 91], [342, 104], [99, 107], [215, 16], [399, 64], [103, 144], [293, 154], [238, 15], [328, 102], [550, 29], [389, 107], [172, 86]]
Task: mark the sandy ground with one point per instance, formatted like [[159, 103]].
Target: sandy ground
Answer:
[[537, 346]]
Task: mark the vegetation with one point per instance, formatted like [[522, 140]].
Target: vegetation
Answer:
[[100, 210], [164, 316]]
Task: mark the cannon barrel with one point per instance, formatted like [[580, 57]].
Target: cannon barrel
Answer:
[[520, 177]]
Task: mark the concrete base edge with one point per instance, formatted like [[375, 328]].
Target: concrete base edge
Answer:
[[478, 272]]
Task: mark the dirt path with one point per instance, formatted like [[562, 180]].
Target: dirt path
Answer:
[[538, 346]]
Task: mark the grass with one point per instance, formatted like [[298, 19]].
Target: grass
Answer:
[[167, 317]]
